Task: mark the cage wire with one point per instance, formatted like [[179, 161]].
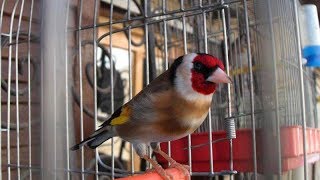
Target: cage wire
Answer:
[[66, 65]]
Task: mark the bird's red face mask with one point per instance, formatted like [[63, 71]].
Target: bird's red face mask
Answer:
[[206, 73]]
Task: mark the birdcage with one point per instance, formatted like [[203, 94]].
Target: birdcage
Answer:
[[67, 65]]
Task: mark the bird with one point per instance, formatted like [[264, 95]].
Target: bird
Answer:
[[170, 107]]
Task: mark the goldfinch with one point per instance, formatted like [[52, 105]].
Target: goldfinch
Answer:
[[172, 106]]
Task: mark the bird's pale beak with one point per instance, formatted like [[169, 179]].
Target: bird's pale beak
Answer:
[[219, 76]]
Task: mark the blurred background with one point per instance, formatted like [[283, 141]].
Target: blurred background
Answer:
[[66, 65]]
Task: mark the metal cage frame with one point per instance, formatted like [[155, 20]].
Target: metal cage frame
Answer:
[[259, 42]]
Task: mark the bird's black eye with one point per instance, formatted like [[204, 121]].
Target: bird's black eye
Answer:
[[198, 66]]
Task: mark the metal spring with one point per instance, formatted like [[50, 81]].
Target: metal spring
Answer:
[[230, 128]]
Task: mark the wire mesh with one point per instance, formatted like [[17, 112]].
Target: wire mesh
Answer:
[[97, 54], [19, 106]]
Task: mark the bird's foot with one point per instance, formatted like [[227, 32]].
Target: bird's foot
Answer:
[[173, 164], [157, 168], [184, 168]]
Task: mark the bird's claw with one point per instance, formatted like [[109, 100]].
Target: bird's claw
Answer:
[[166, 176], [184, 168]]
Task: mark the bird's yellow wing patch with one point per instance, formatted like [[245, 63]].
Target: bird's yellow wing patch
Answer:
[[123, 118]]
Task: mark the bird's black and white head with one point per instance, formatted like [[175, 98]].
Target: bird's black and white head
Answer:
[[196, 75]]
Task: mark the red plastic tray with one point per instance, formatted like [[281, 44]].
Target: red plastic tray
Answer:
[[291, 150]]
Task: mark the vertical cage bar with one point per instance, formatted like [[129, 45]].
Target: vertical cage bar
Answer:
[[165, 34], [17, 90], [9, 90], [81, 85], [146, 33], [146, 29], [225, 37], [252, 108], [95, 81], [111, 84], [185, 46], [130, 91], [276, 93], [42, 174], [29, 90], [1, 19], [164, 7], [181, 5], [303, 106], [209, 113], [55, 114], [130, 79], [67, 91]]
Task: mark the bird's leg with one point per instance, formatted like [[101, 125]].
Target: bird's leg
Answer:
[[158, 168], [184, 168]]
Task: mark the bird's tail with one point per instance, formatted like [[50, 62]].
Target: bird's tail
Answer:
[[97, 138]]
